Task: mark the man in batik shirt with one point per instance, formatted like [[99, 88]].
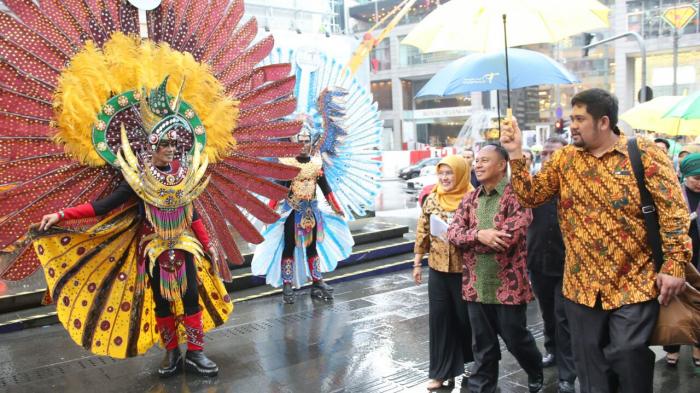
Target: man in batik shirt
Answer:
[[490, 227], [610, 282]]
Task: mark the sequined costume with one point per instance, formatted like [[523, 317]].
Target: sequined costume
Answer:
[[306, 241], [85, 105], [345, 131]]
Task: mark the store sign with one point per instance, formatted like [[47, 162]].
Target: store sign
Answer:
[[457, 111], [679, 17]]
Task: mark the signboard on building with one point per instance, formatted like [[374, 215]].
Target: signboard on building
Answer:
[[456, 111]]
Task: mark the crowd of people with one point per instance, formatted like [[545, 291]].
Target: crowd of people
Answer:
[[572, 236]]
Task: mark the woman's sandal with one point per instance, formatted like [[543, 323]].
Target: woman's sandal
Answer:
[[672, 361]]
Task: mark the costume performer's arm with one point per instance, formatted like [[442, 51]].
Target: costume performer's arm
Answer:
[[101, 206], [328, 193], [96, 208], [272, 203]]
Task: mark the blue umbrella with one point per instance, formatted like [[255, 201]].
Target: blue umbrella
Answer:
[[487, 71]]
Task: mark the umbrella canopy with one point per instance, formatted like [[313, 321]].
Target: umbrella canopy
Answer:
[[650, 116], [687, 108], [484, 72], [477, 25]]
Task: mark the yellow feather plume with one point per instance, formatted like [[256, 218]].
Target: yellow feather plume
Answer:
[[128, 63]]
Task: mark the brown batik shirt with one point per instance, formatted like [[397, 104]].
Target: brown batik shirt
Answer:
[[607, 253]]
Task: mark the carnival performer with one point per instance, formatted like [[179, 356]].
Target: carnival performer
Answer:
[[156, 172], [307, 241], [173, 238], [304, 230]]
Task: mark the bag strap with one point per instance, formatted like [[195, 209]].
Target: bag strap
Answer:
[[651, 216]]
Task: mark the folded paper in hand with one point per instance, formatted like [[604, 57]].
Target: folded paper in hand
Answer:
[[438, 227]]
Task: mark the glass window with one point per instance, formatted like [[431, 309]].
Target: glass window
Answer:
[[411, 88], [381, 90], [380, 57], [410, 55]]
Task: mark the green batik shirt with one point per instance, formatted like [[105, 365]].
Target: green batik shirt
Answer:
[[487, 268]]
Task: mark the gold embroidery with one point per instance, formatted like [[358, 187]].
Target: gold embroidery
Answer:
[[303, 187]]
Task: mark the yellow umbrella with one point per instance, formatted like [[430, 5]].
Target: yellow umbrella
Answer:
[[477, 25], [649, 116], [487, 25]]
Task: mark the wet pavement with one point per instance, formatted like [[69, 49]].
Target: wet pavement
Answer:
[[372, 338]]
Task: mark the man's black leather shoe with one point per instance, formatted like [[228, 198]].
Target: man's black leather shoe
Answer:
[[567, 387], [548, 360], [535, 382]]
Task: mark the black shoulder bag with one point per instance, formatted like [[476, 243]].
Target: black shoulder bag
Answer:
[[651, 216]]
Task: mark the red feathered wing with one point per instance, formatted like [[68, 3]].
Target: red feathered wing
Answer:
[[38, 39]]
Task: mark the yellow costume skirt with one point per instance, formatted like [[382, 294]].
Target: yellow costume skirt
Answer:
[[92, 277]]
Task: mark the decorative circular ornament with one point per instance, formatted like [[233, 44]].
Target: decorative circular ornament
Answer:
[[308, 59], [130, 99], [170, 179]]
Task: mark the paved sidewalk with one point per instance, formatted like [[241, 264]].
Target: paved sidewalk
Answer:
[[373, 338]]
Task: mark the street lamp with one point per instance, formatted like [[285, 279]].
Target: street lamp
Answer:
[[642, 54]]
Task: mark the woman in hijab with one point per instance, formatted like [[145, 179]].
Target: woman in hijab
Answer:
[[450, 332], [690, 176]]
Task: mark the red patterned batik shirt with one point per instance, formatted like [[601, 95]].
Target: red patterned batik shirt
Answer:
[[489, 276]]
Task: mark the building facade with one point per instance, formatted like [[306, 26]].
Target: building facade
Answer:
[[398, 71]]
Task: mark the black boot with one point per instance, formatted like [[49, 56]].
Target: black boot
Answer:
[[195, 360], [288, 295], [171, 363], [198, 362], [321, 290]]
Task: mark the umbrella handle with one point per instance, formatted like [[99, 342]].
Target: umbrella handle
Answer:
[[509, 114]]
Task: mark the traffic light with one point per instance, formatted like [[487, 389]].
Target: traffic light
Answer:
[[587, 40], [559, 126]]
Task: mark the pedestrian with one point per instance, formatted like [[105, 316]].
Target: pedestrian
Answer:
[[468, 155], [690, 172], [610, 282], [449, 329], [490, 227], [663, 144], [545, 262]]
